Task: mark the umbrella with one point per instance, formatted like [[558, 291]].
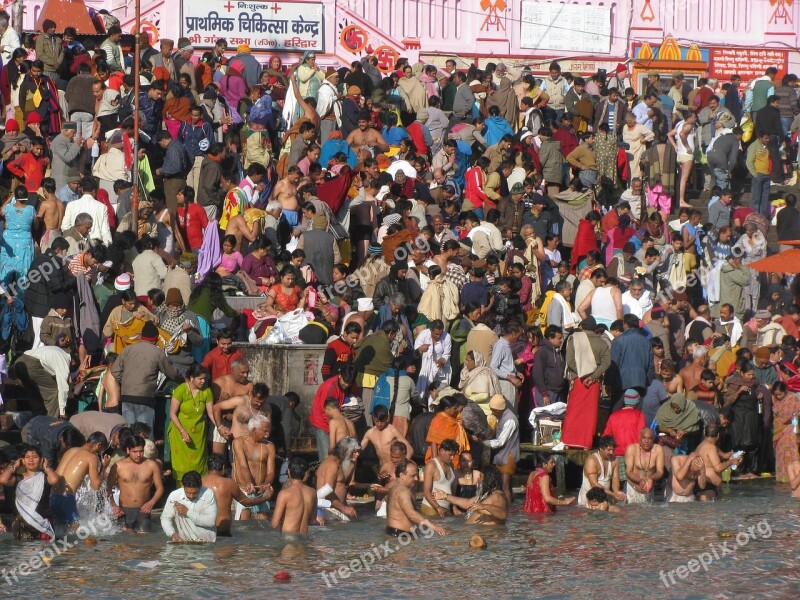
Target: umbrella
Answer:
[[785, 262]]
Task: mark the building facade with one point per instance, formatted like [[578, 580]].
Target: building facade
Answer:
[[698, 37]]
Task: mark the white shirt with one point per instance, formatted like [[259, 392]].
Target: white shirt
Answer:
[[509, 427], [95, 209], [10, 42], [199, 524], [55, 361], [631, 305]]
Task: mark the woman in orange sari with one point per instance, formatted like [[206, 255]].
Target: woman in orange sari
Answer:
[[446, 426], [784, 406]]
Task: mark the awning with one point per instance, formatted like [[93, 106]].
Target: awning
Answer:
[[785, 262]]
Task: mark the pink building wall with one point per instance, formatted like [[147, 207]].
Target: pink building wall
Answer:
[[482, 30]]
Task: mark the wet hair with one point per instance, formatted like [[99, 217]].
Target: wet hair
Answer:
[[596, 494], [298, 468], [25, 448], [607, 441], [260, 390], [403, 466], [192, 479], [345, 448], [72, 438], [142, 429], [333, 403], [135, 441], [257, 421], [543, 459], [380, 413], [447, 402], [216, 462], [196, 370], [492, 481], [449, 446], [712, 429]]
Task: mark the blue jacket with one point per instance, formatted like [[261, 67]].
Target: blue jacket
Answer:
[[632, 361], [496, 128], [196, 140]]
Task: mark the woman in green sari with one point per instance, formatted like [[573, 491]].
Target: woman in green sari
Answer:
[[606, 150], [190, 404]]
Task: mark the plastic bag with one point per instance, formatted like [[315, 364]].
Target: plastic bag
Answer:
[[287, 328]]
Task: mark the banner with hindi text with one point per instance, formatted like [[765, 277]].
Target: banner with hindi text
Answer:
[[265, 26]]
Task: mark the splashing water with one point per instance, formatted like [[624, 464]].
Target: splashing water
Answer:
[[94, 506]]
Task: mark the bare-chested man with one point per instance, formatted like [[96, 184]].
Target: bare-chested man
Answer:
[[340, 426], [51, 213], [691, 374], [365, 141], [285, 192], [295, 507], [386, 476], [644, 465], [244, 408], [793, 471], [254, 466], [716, 462], [236, 383], [135, 476], [337, 471], [401, 514], [671, 380], [602, 470], [238, 228], [687, 472], [382, 434], [74, 466], [225, 490]]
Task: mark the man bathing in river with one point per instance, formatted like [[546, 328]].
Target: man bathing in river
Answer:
[[72, 470], [337, 472], [687, 472], [135, 476], [225, 490], [339, 426], [401, 514], [254, 466], [644, 465], [236, 383], [243, 409], [386, 476], [715, 461], [296, 505], [383, 434]]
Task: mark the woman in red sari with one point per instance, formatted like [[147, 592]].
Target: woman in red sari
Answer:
[[540, 494], [784, 406], [585, 240]]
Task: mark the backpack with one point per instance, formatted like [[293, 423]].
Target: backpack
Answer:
[[382, 392]]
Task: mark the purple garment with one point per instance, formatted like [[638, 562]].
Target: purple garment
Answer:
[[233, 88], [210, 254], [259, 267]]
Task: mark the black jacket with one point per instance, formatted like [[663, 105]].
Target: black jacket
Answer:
[[47, 277], [769, 121]]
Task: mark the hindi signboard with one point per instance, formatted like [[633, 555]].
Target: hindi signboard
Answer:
[[267, 26], [748, 63], [566, 27]]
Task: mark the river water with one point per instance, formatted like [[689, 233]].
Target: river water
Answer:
[[576, 554]]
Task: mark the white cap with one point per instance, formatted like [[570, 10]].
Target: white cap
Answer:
[[365, 304]]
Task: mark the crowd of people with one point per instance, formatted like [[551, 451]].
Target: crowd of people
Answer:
[[473, 249]]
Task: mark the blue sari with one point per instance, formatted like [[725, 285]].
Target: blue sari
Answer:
[[16, 248]]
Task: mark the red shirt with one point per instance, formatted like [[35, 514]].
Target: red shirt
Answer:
[[192, 222], [338, 354], [610, 221], [29, 169], [625, 426], [329, 389], [219, 363]]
